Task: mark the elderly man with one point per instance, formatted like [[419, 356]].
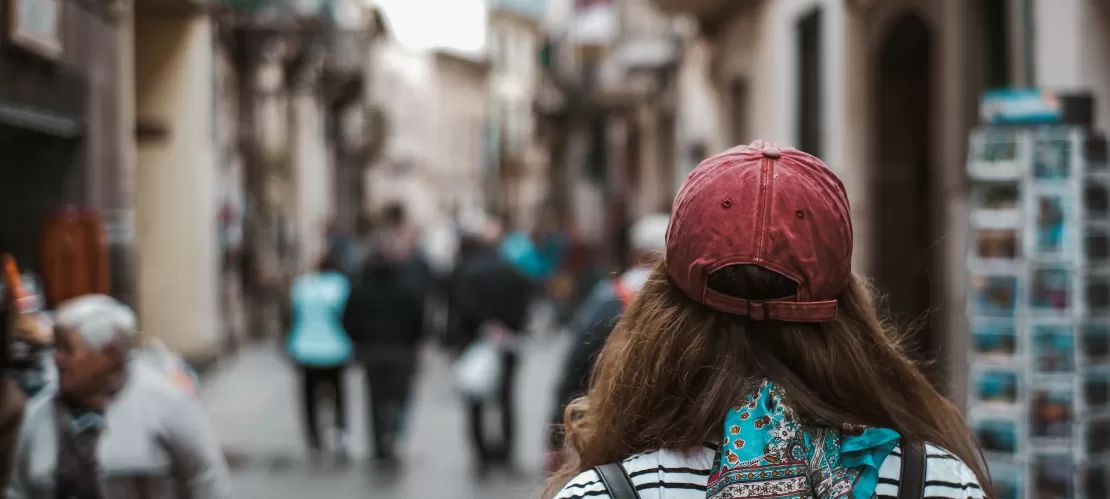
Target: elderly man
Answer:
[[115, 427]]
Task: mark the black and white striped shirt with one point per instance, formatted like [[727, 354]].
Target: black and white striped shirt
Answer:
[[668, 474]]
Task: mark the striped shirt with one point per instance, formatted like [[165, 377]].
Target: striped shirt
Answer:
[[666, 474]]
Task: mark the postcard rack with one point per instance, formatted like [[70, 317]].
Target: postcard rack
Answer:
[[1039, 309]]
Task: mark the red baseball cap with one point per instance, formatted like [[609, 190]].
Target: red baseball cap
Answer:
[[775, 207]]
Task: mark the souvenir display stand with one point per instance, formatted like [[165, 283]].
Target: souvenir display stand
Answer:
[[1039, 309]]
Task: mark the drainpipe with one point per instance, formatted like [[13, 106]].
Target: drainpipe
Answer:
[[1027, 38]]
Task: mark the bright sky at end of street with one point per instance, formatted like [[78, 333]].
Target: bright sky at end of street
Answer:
[[427, 24]]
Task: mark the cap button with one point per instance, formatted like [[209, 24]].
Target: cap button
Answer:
[[772, 153]]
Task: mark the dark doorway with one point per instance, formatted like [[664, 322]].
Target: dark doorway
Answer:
[[739, 97], [905, 260], [810, 104], [996, 34], [39, 176]]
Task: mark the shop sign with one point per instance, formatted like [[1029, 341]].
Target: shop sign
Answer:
[[36, 26], [1021, 106], [1024, 107]]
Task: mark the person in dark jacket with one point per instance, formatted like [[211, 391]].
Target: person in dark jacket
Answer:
[[597, 316], [485, 289], [384, 318]]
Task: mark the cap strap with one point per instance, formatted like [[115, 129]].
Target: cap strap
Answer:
[[782, 310]]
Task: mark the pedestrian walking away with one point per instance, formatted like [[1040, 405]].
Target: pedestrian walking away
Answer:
[[596, 318], [384, 318], [485, 291], [116, 426], [753, 361], [320, 348]]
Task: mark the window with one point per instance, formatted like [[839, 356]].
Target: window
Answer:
[[996, 19], [739, 107], [810, 104]]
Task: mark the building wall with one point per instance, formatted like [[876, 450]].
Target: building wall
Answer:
[[404, 87], [231, 196], [699, 104], [176, 184], [312, 174], [463, 101], [514, 80]]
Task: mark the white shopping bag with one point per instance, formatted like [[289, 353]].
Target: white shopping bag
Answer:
[[478, 371]]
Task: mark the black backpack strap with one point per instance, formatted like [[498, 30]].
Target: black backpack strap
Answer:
[[912, 483], [616, 481]]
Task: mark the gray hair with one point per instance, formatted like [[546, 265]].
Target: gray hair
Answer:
[[99, 320]]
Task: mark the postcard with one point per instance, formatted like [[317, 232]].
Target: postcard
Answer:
[[995, 341], [1052, 412], [1096, 200], [1051, 289], [1096, 389], [1054, 348], [1052, 159], [997, 435], [1000, 244], [998, 387], [994, 295], [1052, 222], [1095, 342], [1098, 293], [1098, 437], [1054, 477], [1096, 244], [1007, 478]]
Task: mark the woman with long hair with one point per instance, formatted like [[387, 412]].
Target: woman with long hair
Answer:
[[753, 363]]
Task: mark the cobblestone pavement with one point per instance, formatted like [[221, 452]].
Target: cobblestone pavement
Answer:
[[252, 402]]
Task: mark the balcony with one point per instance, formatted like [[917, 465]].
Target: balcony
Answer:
[[712, 15], [532, 10], [274, 13], [698, 8], [171, 7], [346, 62], [348, 49]]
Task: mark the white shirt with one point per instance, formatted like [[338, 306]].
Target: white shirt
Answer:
[[666, 474]]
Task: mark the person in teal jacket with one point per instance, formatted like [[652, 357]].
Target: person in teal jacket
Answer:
[[537, 262], [319, 346]]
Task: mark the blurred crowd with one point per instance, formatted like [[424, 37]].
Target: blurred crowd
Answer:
[[374, 298], [469, 286]]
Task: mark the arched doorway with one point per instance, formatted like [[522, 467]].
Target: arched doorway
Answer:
[[905, 257]]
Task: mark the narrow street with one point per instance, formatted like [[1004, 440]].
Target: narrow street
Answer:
[[252, 402]]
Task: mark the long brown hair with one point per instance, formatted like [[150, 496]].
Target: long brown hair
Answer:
[[672, 369]]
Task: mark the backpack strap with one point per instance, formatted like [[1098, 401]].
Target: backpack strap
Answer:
[[912, 483], [616, 481]]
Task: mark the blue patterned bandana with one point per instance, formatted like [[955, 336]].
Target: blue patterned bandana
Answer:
[[767, 453]]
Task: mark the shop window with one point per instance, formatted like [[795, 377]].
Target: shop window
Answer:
[[810, 104]]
